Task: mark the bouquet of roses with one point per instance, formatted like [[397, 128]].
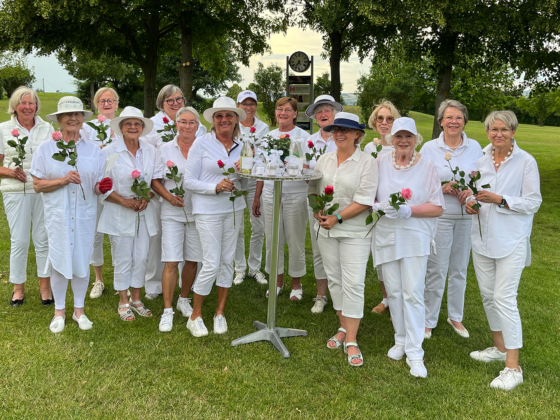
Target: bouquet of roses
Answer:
[[459, 183], [282, 144], [67, 150], [101, 130], [169, 129], [179, 191], [19, 145], [396, 200], [378, 147], [317, 153], [141, 189], [475, 176], [319, 203], [235, 193]]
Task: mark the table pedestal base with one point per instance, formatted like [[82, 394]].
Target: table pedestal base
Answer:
[[273, 335]]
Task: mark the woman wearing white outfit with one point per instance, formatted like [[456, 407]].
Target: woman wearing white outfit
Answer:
[[179, 239], [247, 101], [381, 120], [503, 248], [453, 238], [344, 239], [129, 221], [212, 209], [323, 111], [24, 209], [404, 239], [293, 217], [70, 201], [106, 101]]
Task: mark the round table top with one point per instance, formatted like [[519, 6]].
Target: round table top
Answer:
[[308, 175]]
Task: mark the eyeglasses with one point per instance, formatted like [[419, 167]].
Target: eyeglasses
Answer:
[[107, 101], [192, 123], [324, 111], [287, 110], [504, 131], [28, 103], [180, 101], [226, 116], [133, 124], [250, 103], [450, 119], [380, 119], [342, 130]]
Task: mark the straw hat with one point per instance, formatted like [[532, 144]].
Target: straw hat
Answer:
[[131, 112], [68, 104]]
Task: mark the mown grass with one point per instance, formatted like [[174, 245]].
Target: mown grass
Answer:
[[120, 370]]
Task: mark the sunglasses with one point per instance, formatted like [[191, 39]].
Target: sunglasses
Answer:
[[342, 130], [389, 120]]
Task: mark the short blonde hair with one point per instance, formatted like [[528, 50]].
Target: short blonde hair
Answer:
[[452, 103], [372, 121], [165, 93], [101, 91], [507, 117], [419, 139], [19, 93]]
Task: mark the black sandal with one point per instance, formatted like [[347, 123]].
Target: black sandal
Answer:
[[46, 302], [16, 302]]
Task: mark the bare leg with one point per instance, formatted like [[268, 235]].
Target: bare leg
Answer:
[[45, 288], [352, 325], [280, 280], [19, 291], [134, 293], [98, 273], [382, 284], [169, 283], [222, 297], [197, 305], [321, 287], [512, 358], [296, 285], [78, 312], [188, 276]]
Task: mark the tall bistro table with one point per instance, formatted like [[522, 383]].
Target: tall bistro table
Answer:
[[269, 331]]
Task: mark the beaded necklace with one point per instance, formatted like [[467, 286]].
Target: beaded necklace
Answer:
[[506, 158], [403, 167]]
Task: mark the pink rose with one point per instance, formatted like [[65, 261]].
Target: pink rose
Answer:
[[136, 174], [447, 157], [170, 164], [101, 118], [15, 132], [221, 164], [406, 193], [57, 135], [165, 120], [310, 144], [253, 129], [376, 141], [329, 190], [473, 174]]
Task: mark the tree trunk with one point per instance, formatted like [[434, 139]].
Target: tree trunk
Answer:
[[150, 67], [336, 54], [92, 95], [443, 91], [186, 67]]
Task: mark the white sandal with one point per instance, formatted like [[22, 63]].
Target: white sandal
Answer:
[[279, 290], [337, 343], [140, 310], [126, 315], [297, 293]]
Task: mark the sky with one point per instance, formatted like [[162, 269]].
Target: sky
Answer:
[[56, 78]]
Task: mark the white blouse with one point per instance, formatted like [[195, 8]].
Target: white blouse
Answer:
[[518, 181], [69, 219], [464, 157], [319, 143], [412, 237], [261, 128], [354, 181], [154, 138], [202, 175]]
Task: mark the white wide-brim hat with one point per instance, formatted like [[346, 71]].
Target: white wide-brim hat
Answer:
[[131, 112], [68, 104], [321, 100], [223, 103], [404, 124]]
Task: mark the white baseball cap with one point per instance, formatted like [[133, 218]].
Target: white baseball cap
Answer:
[[246, 94], [404, 124]]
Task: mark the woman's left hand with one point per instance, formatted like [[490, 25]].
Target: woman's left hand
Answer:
[[143, 205], [463, 196], [237, 165], [488, 197], [327, 222]]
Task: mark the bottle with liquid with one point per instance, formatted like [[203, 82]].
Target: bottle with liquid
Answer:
[[246, 154], [272, 166]]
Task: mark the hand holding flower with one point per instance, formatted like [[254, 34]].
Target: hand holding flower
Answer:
[[19, 145]]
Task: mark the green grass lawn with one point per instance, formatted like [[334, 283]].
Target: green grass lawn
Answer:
[[119, 370]]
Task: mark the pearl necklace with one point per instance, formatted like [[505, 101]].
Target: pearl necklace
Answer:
[[507, 157], [404, 167]]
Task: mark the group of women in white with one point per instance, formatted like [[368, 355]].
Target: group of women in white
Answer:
[[157, 188]]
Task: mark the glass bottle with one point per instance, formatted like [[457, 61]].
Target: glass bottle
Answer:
[[272, 166], [246, 154]]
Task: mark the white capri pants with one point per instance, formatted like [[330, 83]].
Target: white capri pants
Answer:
[[453, 244], [130, 258], [180, 242], [59, 284], [154, 269], [345, 264], [97, 256], [25, 213], [318, 268], [257, 235], [404, 282], [293, 228], [218, 238], [498, 280]]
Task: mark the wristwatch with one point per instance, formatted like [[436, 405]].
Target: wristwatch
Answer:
[[339, 218], [503, 203]]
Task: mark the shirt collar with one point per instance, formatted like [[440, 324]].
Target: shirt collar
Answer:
[[355, 156], [121, 146], [441, 143]]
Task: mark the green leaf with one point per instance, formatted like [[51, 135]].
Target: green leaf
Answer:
[[231, 170], [476, 206], [333, 208], [486, 186], [369, 219], [60, 158], [462, 173], [12, 143], [380, 213]]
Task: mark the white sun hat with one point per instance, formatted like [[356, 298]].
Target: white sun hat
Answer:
[[245, 95], [131, 112], [223, 103], [404, 124], [323, 99], [68, 104]]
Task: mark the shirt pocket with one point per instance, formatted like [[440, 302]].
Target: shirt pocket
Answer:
[[384, 236]]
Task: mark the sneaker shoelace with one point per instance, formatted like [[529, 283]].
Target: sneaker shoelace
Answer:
[[505, 375], [220, 320], [167, 318], [199, 324]]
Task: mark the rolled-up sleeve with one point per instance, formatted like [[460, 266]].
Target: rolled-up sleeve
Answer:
[[193, 169], [367, 189], [530, 200]]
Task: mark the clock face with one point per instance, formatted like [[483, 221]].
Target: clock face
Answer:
[[299, 62]]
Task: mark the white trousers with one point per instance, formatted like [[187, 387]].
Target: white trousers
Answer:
[[453, 244], [293, 226], [130, 258], [25, 213], [345, 264], [59, 284], [97, 256], [498, 280], [318, 268], [154, 268], [257, 236], [218, 238], [404, 282]]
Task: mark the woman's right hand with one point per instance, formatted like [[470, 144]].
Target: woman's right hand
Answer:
[[19, 174], [72, 177], [225, 185], [176, 201], [257, 207], [318, 215], [448, 189], [469, 209], [130, 203]]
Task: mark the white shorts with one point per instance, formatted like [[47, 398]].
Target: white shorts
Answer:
[[179, 242]]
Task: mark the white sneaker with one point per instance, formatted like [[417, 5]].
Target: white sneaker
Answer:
[[97, 290], [57, 324], [396, 352], [491, 354], [83, 322], [239, 277], [184, 306], [417, 368], [220, 324], [166, 322], [508, 379], [258, 276], [152, 296], [319, 305], [427, 335], [197, 327]]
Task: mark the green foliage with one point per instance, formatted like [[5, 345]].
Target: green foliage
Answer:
[[322, 86], [169, 130], [14, 72], [317, 153], [101, 132], [70, 152], [141, 189], [320, 203], [19, 145], [233, 91], [269, 85], [178, 191], [540, 104], [282, 144]]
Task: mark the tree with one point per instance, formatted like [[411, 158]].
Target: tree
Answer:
[[322, 86], [540, 104], [269, 85], [15, 73], [233, 91]]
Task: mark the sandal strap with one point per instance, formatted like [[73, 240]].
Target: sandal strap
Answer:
[[335, 340], [342, 330], [352, 344], [126, 305]]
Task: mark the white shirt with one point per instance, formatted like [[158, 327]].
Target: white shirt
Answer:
[[261, 129], [292, 186], [518, 181], [202, 175], [370, 148], [413, 237], [171, 151], [69, 219], [119, 220], [354, 181], [90, 134], [154, 138], [464, 157], [319, 144]]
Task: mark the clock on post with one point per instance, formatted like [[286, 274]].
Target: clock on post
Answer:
[[300, 87], [299, 62]]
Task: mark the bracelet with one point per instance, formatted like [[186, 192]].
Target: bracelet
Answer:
[[339, 218]]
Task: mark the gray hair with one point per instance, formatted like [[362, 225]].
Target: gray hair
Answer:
[[165, 93], [320, 108], [507, 117], [102, 90], [361, 136], [452, 103], [186, 109], [419, 139], [19, 93]]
